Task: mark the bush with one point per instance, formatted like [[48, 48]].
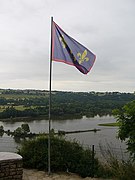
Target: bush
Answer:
[[65, 155], [118, 168], [126, 119], [122, 170]]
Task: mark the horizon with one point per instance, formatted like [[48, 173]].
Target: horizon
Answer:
[[18, 89]]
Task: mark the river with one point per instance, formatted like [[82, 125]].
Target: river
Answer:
[[105, 137]]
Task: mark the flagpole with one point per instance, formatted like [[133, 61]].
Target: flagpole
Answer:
[[49, 143]]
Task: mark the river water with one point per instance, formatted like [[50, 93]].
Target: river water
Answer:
[[105, 137]]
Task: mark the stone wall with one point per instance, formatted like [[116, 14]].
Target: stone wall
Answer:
[[10, 166]]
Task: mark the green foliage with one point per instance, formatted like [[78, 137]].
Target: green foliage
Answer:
[[65, 155], [1, 131], [18, 132], [31, 103], [22, 131], [25, 128], [117, 167], [11, 112], [1, 128], [126, 119], [109, 124]]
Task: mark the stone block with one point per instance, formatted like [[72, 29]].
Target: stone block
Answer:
[[10, 166]]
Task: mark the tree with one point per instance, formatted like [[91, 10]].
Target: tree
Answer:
[[1, 129], [25, 128], [18, 132], [22, 131], [126, 119]]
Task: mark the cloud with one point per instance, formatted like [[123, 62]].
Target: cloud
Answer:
[[105, 27]]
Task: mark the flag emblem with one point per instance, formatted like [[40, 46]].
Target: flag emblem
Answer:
[[68, 50], [82, 57]]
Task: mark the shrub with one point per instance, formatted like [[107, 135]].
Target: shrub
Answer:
[[65, 155], [119, 168], [122, 170]]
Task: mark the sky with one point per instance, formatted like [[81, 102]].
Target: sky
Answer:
[[106, 27]]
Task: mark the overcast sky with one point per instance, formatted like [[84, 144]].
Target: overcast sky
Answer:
[[106, 27]]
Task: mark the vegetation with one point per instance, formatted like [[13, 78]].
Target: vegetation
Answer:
[[65, 156], [109, 124], [21, 131], [1, 131], [18, 133], [126, 119], [71, 157], [116, 167], [33, 103]]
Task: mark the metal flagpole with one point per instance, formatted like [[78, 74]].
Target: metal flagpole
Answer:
[[49, 143]]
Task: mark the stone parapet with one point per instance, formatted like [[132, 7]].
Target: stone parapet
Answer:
[[11, 166]]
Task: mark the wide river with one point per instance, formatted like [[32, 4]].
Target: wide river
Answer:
[[105, 137]]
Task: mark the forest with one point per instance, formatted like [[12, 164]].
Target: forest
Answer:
[[35, 103]]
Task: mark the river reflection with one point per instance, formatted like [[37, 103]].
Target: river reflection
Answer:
[[105, 136]]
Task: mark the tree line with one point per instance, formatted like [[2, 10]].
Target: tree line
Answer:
[[64, 104]]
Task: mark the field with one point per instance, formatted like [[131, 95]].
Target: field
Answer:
[[19, 101], [21, 96]]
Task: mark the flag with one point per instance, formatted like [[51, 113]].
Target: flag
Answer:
[[68, 50]]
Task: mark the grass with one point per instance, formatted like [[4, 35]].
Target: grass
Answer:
[[109, 124], [19, 107], [20, 96], [116, 167], [3, 107]]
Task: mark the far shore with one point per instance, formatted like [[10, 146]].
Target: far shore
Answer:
[[40, 117], [18, 119]]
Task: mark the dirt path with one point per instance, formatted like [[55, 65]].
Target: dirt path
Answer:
[[40, 175]]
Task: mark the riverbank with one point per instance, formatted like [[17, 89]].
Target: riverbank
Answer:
[[41, 117], [32, 174], [24, 119], [114, 124]]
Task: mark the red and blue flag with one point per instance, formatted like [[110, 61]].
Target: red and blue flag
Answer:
[[66, 49]]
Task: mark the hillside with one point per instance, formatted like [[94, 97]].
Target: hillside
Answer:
[[35, 103]]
